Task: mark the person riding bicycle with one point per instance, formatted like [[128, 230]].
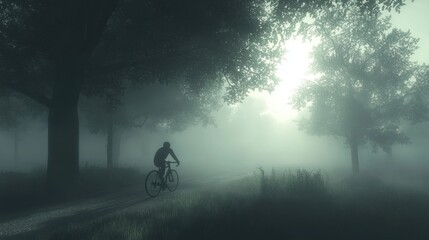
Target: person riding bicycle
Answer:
[[160, 156]]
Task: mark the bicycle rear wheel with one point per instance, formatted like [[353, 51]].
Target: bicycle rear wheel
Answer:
[[172, 180], [153, 183]]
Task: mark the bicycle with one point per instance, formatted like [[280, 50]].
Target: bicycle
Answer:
[[153, 183]]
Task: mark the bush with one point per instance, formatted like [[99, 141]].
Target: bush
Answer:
[[299, 183]]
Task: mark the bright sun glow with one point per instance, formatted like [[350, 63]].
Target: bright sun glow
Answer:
[[292, 71]]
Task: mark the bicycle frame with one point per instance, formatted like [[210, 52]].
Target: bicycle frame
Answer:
[[167, 175], [170, 180]]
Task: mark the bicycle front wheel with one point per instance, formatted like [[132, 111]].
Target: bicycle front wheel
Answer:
[[172, 180], [153, 183]]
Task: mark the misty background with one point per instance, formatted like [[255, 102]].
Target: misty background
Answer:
[[244, 136]]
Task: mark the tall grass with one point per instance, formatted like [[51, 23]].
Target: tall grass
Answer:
[[283, 205], [298, 183]]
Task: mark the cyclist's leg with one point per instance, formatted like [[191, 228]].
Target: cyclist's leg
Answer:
[[161, 174]]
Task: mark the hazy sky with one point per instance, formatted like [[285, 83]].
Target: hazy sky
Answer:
[[294, 69], [414, 17]]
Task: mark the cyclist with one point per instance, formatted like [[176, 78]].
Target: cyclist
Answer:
[[159, 159]]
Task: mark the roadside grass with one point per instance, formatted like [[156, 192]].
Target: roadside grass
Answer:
[[287, 205], [24, 191]]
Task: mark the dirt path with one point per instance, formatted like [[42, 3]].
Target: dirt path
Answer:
[[40, 223]]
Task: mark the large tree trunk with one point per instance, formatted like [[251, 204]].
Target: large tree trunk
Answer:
[[63, 126], [354, 154], [80, 26]]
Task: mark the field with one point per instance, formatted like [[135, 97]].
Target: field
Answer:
[[297, 204]]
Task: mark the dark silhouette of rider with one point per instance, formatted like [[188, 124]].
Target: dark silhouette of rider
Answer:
[[160, 156]]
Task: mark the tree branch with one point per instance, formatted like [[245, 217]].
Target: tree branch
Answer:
[[97, 20], [33, 94]]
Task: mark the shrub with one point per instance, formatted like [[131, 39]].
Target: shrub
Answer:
[[300, 182]]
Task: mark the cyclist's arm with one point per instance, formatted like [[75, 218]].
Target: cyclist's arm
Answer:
[[174, 156]]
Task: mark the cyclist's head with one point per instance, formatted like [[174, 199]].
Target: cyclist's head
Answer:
[[166, 145]]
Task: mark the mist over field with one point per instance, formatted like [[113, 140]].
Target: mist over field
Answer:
[[271, 111], [243, 138]]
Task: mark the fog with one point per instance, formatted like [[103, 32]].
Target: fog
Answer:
[[244, 137], [277, 114]]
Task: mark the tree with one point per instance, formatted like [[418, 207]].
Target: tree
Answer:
[[46, 46], [365, 78], [52, 50], [153, 106], [51, 45]]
